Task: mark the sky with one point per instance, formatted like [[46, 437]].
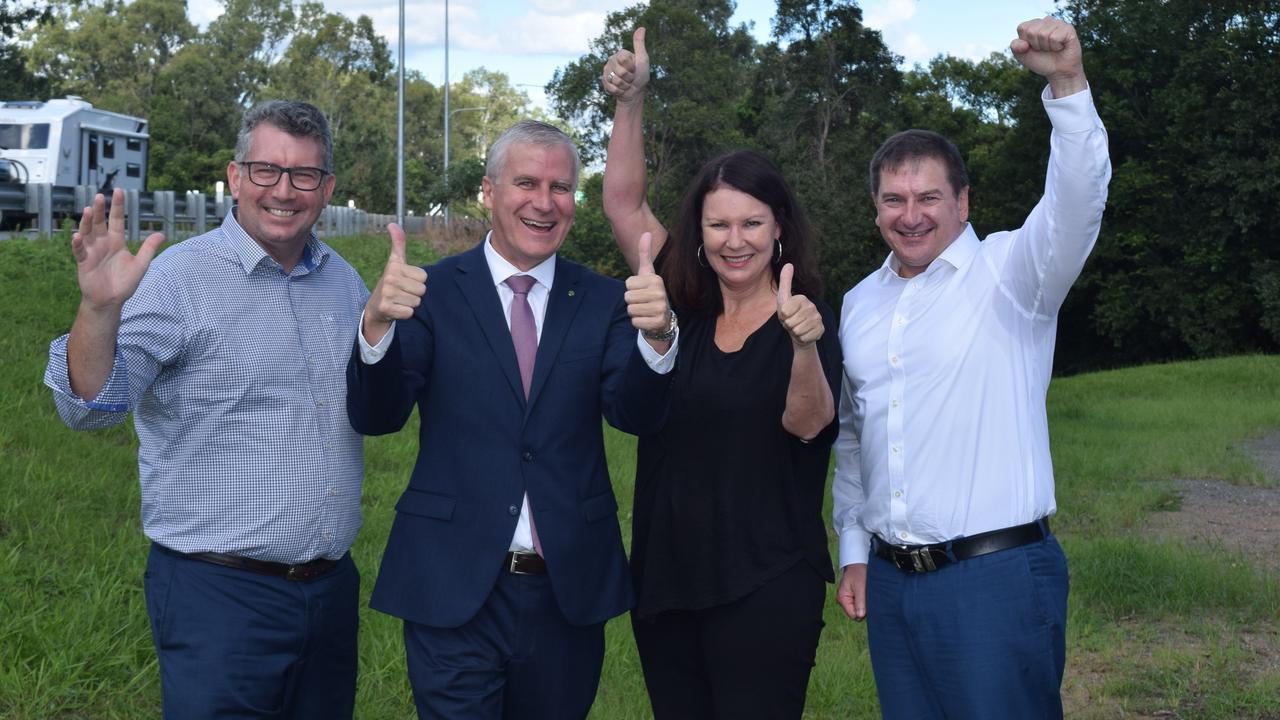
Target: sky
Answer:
[[530, 39]]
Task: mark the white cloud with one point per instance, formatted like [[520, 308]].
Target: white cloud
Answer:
[[559, 7], [542, 34], [890, 13], [976, 51], [913, 47], [203, 12]]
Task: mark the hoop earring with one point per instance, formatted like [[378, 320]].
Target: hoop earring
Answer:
[[702, 261], [778, 258]]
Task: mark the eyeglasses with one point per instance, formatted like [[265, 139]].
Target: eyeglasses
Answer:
[[265, 174]]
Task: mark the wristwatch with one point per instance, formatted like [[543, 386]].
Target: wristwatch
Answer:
[[663, 335]]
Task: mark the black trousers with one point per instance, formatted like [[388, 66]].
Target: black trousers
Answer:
[[750, 658]]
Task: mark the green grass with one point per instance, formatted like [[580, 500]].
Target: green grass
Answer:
[[1156, 626]]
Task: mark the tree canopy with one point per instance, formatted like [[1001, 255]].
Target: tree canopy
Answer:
[[1187, 265]]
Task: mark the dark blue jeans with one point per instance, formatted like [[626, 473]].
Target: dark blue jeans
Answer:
[[984, 638], [237, 644]]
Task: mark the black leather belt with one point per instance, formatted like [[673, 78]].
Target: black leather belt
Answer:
[[927, 558], [525, 563], [297, 573]]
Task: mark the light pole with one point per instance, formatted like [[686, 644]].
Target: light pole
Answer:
[[447, 117], [399, 125]]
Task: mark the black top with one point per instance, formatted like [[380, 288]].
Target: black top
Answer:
[[726, 499]]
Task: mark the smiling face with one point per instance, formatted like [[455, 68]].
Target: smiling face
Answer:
[[738, 239], [531, 202], [918, 213], [279, 217]]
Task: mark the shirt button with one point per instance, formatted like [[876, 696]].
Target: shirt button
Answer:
[[897, 493], [903, 534], [328, 535], [332, 491], [328, 446], [513, 510], [894, 403], [311, 359], [901, 320], [894, 448], [527, 456], [893, 360], [319, 403]]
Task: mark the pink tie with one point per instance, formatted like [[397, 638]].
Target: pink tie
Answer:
[[524, 335]]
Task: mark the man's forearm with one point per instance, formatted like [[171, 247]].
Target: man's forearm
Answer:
[[91, 349]]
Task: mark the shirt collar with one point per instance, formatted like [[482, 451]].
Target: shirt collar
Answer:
[[250, 254], [544, 272], [958, 254]]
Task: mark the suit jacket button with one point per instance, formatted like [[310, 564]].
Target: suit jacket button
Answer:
[[513, 510], [528, 456]]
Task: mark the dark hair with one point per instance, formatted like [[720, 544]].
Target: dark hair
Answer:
[[299, 119], [693, 286], [531, 132], [914, 145]]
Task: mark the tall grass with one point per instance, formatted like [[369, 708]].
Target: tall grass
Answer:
[[1159, 626]]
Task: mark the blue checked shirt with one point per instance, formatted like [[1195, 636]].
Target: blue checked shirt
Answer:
[[236, 375]]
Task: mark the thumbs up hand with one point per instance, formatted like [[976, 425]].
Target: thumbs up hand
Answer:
[[647, 299], [797, 313], [398, 292], [626, 73]]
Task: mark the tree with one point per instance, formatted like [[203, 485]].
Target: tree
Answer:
[[344, 68], [110, 54], [16, 81], [1188, 259], [821, 99], [691, 113]]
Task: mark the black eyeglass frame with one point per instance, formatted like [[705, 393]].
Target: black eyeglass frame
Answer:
[[248, 165]]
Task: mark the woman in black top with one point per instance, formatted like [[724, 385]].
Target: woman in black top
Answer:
[[729, 548]]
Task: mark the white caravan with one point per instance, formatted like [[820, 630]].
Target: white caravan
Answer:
[[68, 142]]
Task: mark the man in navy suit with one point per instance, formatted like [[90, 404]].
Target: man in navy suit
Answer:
[[505, 558]]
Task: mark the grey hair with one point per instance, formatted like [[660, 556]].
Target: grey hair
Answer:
[[299, 119], [530, 132]]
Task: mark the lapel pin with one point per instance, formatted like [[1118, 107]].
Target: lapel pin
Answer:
[[570, 293]]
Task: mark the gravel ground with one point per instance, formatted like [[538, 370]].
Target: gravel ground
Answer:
[[1238, 518]]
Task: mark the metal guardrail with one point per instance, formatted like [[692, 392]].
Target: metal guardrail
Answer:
[[38, 206]]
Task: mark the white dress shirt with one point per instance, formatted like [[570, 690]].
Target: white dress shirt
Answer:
[[544, 273], [943, 428]]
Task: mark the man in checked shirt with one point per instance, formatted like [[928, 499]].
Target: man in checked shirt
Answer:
[[230, 349]]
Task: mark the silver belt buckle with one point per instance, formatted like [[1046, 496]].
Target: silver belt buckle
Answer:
[[922, 560], [515, 560]]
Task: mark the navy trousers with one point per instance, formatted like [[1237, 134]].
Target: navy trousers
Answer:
[[238, 644], [980, 639], [517, 658]]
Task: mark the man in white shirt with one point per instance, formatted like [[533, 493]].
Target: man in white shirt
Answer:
[[944, 483]]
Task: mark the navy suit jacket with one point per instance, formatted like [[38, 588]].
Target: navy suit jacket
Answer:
[[482, 446]]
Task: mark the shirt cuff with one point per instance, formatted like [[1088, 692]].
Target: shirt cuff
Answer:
[[855, 546], [661, 364], [371, 354], [1073, 113], [111, 400]]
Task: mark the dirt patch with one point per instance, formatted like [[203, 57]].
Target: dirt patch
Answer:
[[1107, 684], [1240, 519]]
